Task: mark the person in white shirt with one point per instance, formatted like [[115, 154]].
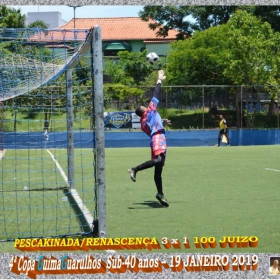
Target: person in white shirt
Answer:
[[274, 268]]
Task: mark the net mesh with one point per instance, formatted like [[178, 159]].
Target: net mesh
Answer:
[[31, 58], [47, 146]]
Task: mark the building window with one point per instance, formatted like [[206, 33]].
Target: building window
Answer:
[[112, 48]]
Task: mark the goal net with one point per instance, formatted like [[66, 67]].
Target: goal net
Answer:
[[48, 155]]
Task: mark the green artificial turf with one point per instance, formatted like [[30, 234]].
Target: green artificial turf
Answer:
[[212, 191], [34, 198]]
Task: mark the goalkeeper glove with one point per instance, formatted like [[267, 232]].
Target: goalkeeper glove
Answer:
[[161, 76]]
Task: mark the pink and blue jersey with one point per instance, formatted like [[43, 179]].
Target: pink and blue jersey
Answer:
[[151, 124], [151, 121]]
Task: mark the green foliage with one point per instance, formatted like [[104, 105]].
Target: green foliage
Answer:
[[34, 120], [254, 55], [151, 79], [185, 98], [134, 66], [130, 69], [37, 52], [4, 50], [272, 86], [260, 121], [244, 51], [198, 60], [186, 119], [82, 73], [251, 43], [117, 73], [209, 16], [269, 14], [121, 92], [126, 74], [11, 18], [163, 112], [38, 24], [168, 17], [178, 17], [180, 118]]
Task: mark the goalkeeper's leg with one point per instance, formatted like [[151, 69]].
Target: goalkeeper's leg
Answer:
[[158, 181], [148, 164]]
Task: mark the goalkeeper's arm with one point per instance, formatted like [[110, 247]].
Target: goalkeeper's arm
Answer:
[[161, 77]]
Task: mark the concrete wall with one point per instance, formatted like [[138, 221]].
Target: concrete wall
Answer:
[[139, 139], [52, 19], [160, 49]]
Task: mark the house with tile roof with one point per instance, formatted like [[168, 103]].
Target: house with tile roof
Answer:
[[125, 33]]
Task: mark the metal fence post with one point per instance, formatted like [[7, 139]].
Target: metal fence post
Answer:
[[70, 135], [99, 127]]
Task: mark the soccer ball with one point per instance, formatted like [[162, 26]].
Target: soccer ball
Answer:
[[152, 58]]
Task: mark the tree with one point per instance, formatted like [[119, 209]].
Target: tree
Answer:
[[254, 50], [185, 19], [270, 14], [209, 16], [38, 24], [248, 39], [126, 75], [11, 18], [245, 51], [168, 17], [273, 68], [134, 66], [198, 60], [188, 19]]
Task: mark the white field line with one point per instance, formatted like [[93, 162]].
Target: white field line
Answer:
[[272, 169], [59, 167], [77, 198], [74, 193]]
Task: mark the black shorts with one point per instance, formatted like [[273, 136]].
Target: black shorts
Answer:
[[222, 131]]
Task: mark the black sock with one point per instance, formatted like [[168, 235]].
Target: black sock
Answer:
[[158, 179]]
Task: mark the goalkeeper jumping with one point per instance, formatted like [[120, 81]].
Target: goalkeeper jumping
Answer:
[[152, 125]]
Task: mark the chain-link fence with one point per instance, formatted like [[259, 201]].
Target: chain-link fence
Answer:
[[243, 107]]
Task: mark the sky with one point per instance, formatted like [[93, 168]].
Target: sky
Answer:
[[67, 13]]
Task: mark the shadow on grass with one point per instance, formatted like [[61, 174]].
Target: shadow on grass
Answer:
[[151, 204], [84, 226]]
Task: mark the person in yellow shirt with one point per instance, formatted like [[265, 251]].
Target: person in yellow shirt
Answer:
[[223, 130]]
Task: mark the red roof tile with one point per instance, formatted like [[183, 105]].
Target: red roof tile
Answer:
[[56, 35], [121, 28]]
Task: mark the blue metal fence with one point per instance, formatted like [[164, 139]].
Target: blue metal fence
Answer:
[[116, 139]]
